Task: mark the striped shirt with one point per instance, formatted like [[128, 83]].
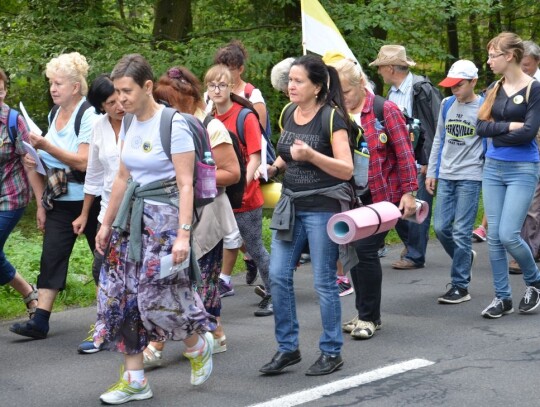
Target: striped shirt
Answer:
[[14, 189], [403, 95]]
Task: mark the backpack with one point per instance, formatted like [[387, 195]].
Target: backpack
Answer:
[[79, 176], [266, 131], [235, 192], [414, 127], [13, 117], [200, 140], [445, 108]]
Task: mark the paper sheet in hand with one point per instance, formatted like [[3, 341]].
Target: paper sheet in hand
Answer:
[[31, 125], [33, 153], [167, 268]]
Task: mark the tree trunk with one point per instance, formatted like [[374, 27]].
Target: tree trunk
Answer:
[[173, 19], [452, 35], [380, 34], [476, 45], [494, 28]]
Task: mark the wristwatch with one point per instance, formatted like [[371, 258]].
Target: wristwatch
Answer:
[[185, 226]]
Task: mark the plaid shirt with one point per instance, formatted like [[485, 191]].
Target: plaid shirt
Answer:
[[392, 169], [14, 189]]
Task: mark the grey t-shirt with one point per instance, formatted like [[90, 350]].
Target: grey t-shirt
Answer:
[[461, 157]]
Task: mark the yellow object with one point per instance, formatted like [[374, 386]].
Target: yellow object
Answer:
[[271, 194]]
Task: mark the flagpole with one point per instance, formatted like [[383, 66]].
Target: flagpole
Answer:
[[303, 28]]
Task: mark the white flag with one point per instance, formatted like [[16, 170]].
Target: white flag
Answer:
[[319, 33]]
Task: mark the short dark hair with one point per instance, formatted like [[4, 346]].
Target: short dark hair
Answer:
[[134, 66], [100, 90]]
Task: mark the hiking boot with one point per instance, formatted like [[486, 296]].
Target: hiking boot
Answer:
[[455, 295], [225, 289], [344, 286], [513, 267], [201, 361], [265, 307], [123, 391], [530, 300], [261, 291], [87, 345], [363, 330], [251, 271], [479, 234], [498, 308]]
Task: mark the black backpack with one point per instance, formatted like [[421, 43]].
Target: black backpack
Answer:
[[200, 140], [235, 192]]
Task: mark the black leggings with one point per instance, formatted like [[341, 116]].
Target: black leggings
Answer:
[[59, 240]]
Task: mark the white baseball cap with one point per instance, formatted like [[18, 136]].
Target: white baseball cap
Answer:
[[462, 69]]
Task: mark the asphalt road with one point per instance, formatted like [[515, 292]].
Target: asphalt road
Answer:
[[458, 357]]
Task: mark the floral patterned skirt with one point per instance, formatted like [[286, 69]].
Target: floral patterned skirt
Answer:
[[134, 305], [210, 265]]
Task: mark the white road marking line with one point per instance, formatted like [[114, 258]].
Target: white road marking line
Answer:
[[315, 393]]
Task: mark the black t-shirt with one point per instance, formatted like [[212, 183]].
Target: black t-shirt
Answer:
[[302, 175]]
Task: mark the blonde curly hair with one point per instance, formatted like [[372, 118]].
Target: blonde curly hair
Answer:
[[73, 66]]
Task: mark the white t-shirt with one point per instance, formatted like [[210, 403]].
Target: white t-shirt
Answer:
[[217, 132], [103, 162], [143, 153]]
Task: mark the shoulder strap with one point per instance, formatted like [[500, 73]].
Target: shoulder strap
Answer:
[[327, 119], [528, 92], [286, 113], [240, 121], [446, 105], [78, 118], [207, 120], [13, 117], [248, 89], [84, 107], [165, 129], [378, 108]]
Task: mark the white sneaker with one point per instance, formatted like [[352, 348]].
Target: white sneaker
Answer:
[[220, 345], [363, 330], [123, 391], [201, 361]]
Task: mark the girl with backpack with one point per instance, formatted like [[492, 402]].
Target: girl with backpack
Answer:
[[227, 107]]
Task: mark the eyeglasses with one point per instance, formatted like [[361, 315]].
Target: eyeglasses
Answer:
[[221, 86], [493, 56], [2, 93]]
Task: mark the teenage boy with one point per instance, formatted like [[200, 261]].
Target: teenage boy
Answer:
[[455, 168]]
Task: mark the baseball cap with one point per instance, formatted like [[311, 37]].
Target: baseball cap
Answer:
[[462, 69]]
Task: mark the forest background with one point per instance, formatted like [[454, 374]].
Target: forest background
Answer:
[[188, 32]]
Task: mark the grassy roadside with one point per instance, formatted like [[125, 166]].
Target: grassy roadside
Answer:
[[23, 249]]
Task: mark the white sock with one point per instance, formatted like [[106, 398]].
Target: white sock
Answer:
[[225, 278], [198, 346], [134, 376]]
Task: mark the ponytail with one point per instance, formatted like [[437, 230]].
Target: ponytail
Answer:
[[336, 99], [484, 113]]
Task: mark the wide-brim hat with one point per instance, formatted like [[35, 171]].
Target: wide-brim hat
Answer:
[[393, 55]]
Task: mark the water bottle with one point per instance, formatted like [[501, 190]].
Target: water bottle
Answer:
[[206, 177], [361, 166]]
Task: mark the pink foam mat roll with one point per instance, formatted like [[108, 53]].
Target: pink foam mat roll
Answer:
[[349, 226]]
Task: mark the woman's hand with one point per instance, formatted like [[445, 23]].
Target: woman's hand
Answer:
[[300, 151], [180, 249], [515, 126], [38, 142], [41, 215], [102, 238], [79, 224]]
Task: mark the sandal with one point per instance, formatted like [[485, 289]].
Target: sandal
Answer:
[[152, 357], [33, 296]]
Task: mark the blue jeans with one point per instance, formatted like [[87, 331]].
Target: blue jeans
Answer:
[[8, 220], [508, 188], [413, 235], [453, 221], [309, 227]]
